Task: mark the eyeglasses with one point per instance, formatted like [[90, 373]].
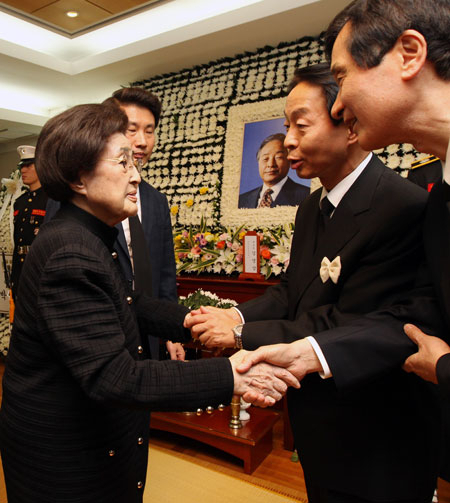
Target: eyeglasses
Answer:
[[127, 162]]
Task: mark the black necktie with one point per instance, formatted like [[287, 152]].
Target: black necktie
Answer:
[[326, 209], [141, 257]]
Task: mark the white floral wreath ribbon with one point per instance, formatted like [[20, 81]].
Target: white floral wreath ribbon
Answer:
[[330, 270]]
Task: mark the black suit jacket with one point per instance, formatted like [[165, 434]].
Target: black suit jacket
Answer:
[[78, 386], [291, 194], [356, 440], [158, 233], [437, 246]]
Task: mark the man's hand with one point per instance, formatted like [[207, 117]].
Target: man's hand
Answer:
[[298, 357], [423, 363], [213, 326], [175, 350], [263, 384]]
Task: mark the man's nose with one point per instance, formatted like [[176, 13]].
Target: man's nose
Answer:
[[289, 143], [337, 108], [135, 176], [140, 138]]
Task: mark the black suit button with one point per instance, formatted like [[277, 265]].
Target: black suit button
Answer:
[[114, 255], [140, 441], [140, 485], [140, 350], [129, 300]]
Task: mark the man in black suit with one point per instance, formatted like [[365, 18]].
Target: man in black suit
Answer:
[[143, 110], [421, 97], [278, 189], [412, 62], [355, 247]]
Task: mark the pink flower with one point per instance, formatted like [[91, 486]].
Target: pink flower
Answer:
[[274, 261], [196, 250], [239, 258]]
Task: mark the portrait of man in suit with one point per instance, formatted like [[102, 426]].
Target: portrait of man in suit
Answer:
[[277, 188]]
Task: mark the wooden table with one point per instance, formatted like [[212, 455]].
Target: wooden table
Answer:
[[251, 443]]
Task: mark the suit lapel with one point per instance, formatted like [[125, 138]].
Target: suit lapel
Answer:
[[146, 210], [305, 236], [121, 239], [283, 196], [341, 229]]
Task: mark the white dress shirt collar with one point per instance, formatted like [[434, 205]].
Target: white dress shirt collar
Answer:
[[338, 192], [275, 189]]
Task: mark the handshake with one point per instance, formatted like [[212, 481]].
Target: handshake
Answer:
[[261, 377]]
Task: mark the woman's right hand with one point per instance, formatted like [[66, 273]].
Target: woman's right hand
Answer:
[[263, 384]]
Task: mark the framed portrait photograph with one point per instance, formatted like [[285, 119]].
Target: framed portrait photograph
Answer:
[[259, 187]]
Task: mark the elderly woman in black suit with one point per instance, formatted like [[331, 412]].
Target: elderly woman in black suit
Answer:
[[78, 387]]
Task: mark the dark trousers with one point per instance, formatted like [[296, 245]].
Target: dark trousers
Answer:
[[318, 494]]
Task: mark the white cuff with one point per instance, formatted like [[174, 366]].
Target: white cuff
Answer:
[[239, 313], [326, 372]]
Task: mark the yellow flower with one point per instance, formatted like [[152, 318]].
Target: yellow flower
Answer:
[[203, 190], [241, 235], [189, 203], [174, 209]]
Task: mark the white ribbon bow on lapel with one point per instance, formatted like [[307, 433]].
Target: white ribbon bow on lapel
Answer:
[[330, 269]]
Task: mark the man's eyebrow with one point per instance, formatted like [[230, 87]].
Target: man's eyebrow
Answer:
[[337, 68], [299, 112]]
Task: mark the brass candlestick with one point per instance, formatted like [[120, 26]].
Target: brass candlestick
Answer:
[[235, 422]]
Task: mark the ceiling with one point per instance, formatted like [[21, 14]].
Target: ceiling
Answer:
[[91, 14], [45, 71]]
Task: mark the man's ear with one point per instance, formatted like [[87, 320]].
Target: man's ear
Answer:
[[412, 49], [352, 137]]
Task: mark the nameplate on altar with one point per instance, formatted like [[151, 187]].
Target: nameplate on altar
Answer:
[[251, 260]]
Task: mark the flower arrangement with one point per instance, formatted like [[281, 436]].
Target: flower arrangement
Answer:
[[204, 298], [199, 249], [11, 188]]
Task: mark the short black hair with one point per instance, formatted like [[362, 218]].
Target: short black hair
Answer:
[[376, 26], [72, 142], [273, 137], [136, 96], [318, 75]]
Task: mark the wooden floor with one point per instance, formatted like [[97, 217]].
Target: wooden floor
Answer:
[[277, 468]]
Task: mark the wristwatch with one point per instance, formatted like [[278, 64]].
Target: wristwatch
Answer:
[[237, 331]]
